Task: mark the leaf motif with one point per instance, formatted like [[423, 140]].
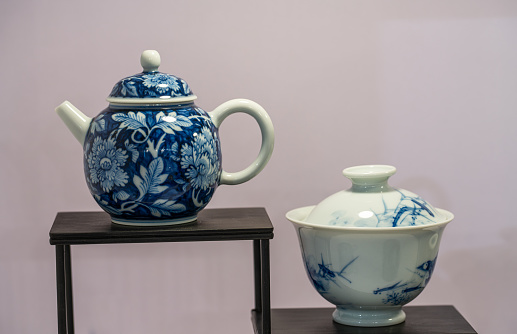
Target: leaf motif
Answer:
[[98, 125], [122, 195], [168, 128], [101, 125], [158, 189], [129, 89], [163, 207], [183, 121], [155, 211], [112, 210], [140, 184], [175, 152], [173, 122], [185, 87], [169, 205], [151, 179], [159, 116], [132, 148], [134, 155], [156, 177], [131, 120]]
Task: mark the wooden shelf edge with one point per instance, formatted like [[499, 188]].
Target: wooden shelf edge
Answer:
[[434, 319], [76, 228]]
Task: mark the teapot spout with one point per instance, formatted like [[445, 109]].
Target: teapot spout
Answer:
[[77, 122]]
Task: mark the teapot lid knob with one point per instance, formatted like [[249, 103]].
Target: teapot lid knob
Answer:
[[150, 60]]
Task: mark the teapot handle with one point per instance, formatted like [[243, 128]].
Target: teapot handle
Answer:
[[266, 128]]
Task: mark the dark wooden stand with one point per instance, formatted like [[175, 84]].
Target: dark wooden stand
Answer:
[[82, 228], [419, 320]]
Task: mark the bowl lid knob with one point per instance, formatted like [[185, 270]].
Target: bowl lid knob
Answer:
[[369, 175]]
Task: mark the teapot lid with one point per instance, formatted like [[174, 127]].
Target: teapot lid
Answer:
[[150, 86], [372, 202]]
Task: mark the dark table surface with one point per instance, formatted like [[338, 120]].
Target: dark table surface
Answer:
[[419, 320], [71, 228]]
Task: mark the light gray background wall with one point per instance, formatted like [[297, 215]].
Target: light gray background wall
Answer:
[[428, 86]]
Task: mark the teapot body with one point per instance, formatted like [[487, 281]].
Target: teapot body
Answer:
[[153, 157], [152, 165]]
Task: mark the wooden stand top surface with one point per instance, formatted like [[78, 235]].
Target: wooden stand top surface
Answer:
[[435, 319], [73, 228]]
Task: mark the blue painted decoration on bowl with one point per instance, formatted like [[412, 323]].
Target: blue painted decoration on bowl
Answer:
[[372, 202], [369, 249], [402, 292]]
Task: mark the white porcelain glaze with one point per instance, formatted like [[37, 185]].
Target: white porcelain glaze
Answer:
[[77, 122], [266, 129], [372, 202], [369, 270]]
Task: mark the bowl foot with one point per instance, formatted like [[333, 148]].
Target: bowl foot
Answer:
[[369, 316]]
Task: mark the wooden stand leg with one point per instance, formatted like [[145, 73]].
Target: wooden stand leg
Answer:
[[262, 311], [68, 291], [266, 283], [65, 311], [257, 275], [61, 294]]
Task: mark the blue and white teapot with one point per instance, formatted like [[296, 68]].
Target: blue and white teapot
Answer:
[[153, 157]]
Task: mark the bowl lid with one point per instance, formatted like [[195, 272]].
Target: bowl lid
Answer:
[[150, 86], [372, 202]]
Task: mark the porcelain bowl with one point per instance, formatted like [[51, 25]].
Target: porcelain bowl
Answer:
[[368, 273]]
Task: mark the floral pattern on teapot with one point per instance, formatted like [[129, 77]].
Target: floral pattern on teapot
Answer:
[[151, 85], [165, 163], [153, 157]]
